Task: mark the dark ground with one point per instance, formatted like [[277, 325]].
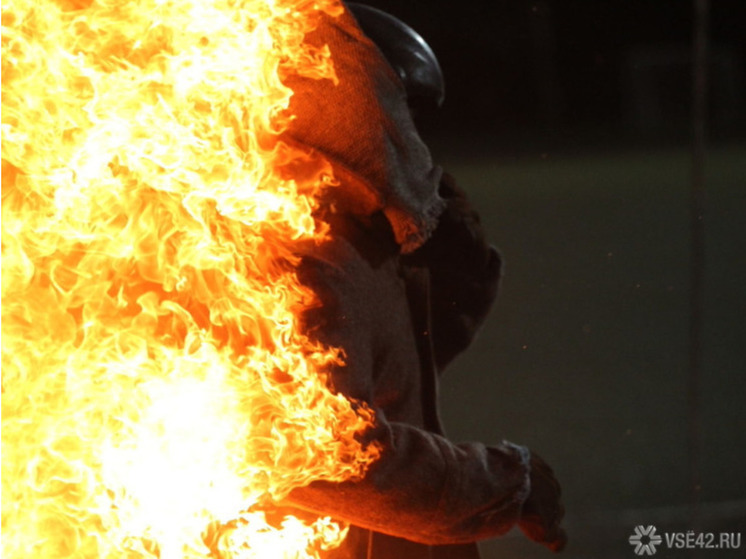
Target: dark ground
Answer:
[[584, 358]]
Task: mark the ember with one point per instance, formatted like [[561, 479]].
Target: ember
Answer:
[[158, 394]]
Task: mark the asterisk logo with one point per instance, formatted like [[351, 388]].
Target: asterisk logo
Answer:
[[638, 539]]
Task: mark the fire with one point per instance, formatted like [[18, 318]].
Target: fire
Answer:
[[158, 394]]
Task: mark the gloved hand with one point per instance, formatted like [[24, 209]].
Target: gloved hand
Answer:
[[542, 511]]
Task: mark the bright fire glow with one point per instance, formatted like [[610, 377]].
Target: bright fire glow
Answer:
[[158, 394]]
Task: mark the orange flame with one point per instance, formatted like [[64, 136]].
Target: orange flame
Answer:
[[158, 393]]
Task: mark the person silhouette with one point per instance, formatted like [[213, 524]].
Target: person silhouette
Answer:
[[405, 281]]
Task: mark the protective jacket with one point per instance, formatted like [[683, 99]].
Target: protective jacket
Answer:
[[405, 282], [400, 320]]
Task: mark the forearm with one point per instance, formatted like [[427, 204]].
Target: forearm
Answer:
[[426, 489]]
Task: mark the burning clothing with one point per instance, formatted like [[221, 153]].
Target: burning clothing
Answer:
[[390, 312], [160, 390], [405, 282], [361, 123]]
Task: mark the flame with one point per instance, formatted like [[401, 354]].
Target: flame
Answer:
[[159, 394]]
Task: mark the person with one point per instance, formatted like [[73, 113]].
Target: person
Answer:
[[405, 281]]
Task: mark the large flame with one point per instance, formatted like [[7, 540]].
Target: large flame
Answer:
[[158, 393]]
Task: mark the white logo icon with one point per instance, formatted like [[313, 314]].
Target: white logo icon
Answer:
[[641, 534]]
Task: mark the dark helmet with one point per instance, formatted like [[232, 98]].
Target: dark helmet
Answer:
[[407, 53]]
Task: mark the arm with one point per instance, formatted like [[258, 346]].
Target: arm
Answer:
[[423, 487], [427, 489]]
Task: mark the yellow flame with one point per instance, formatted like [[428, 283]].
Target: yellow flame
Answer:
[[158, 392]]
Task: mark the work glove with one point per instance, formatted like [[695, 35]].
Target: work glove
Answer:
[[542, 510]]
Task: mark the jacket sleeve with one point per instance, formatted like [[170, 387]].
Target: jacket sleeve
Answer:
[[426, 489], [423, 487]]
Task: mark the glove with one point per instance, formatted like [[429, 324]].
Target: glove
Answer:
[[542, 510]]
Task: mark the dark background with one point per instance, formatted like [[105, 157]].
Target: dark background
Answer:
[[569, 124], [571, 70]]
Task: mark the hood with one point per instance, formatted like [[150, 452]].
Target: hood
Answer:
[[363, 127]]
